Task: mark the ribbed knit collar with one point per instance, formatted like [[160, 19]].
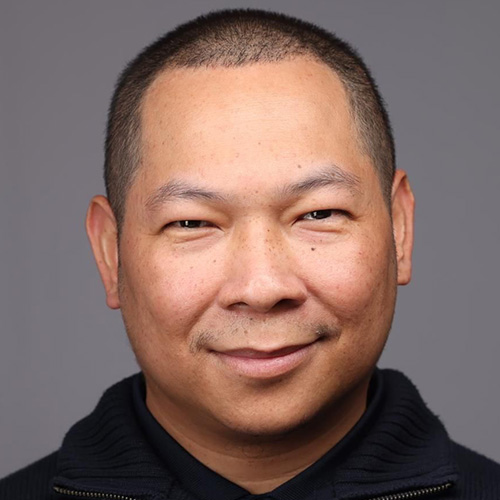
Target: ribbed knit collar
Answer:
[[405, 447]]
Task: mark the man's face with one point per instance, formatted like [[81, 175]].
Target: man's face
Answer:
[[257, 264]]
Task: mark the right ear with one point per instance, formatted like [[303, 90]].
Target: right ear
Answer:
[[102, 231]]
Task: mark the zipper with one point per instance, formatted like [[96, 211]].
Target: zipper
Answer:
[[394, 496], [415, 493], [91, 494]]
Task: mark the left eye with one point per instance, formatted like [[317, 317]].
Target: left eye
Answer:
[[189, 224], [320, 214]]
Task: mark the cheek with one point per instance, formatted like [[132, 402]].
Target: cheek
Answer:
[[356, 279], [166, 293]]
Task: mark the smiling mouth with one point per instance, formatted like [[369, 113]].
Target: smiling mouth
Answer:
[[262, 364]]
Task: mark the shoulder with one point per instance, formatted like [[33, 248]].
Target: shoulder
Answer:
[[477, 472], [31, 482], [476, 476]]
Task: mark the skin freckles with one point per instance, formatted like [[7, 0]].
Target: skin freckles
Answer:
[[268, 230]]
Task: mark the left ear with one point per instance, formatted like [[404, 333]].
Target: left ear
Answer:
[[403, 208]]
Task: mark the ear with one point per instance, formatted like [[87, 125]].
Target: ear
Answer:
[[103, 235], [403, 208]]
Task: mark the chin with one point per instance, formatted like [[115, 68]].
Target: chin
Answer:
[[305, 413], [265, 429], [275, 418]]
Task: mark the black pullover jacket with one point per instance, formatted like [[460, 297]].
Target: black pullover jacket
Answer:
[[399, 451]]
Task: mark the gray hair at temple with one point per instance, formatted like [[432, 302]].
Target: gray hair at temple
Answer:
[[232, 38]]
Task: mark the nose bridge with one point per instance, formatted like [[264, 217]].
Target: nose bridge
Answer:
[[261, 248], [262, 241], [260, 271]]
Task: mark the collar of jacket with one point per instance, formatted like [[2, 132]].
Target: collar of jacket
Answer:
[[404, 448]]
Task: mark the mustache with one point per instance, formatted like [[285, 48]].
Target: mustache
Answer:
[[294, 334]]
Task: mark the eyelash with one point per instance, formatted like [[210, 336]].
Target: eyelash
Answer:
[[180, 224], [330, 211]]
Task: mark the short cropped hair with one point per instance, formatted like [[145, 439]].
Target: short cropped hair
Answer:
[[233, 38]]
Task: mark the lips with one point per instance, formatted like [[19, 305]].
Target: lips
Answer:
[[264, 364]]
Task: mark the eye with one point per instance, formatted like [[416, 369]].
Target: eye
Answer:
[[322, 214], [189, 224]]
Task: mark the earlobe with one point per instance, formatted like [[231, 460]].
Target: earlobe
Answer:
[[103, 235], [403, 207]]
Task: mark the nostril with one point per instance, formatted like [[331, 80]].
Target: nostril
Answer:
[[282, 305], [286, 304], [238, 305]]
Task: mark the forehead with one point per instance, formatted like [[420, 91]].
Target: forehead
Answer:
[[239, 122], [189, 95]]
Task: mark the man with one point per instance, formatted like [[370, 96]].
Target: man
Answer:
[[253, 236]]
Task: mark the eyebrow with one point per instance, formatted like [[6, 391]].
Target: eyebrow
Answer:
[[332, 176], [180, 190], [329, 176]]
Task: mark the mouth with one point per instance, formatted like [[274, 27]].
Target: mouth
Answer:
[[264, 364]]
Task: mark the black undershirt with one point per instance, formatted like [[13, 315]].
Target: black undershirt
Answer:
[[205, 484]]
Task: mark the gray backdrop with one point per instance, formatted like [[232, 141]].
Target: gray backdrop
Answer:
[[437, 65]]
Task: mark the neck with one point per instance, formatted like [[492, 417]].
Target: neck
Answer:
[[260, 464]]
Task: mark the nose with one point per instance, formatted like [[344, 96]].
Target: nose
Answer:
[[260, 273]]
